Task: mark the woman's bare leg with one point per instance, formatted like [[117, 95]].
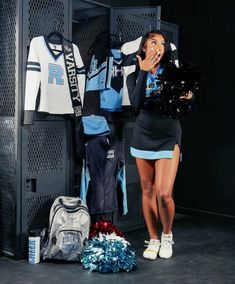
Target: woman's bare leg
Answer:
[[146, 170], [166, 170]]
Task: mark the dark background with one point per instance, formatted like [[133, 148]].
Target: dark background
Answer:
[[206, 179]]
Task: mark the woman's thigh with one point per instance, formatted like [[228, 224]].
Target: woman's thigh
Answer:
[[146, 169], [166, 170]]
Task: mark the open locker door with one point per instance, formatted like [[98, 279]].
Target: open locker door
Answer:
[[131, 23]]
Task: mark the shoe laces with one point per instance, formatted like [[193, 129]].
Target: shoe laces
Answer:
[[154, 244], [167, 242]]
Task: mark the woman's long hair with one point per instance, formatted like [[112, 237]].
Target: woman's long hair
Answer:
[[167, 57]]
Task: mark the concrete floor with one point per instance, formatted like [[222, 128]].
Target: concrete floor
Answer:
[[204, 252]]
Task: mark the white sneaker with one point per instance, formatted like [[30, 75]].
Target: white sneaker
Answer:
[[166, 246], [152, 249]]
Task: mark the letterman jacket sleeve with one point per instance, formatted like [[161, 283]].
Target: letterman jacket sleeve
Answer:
[[33, 78], [80, 72]]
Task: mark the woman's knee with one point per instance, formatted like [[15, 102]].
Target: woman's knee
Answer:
[[147, 188], [164, 194]]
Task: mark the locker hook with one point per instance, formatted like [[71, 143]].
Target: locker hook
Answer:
[[57, 22], [120, 37]]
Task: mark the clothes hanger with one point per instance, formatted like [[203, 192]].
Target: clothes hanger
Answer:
[[118, 42], [112, 39], [55, 34], [101, 37], [55, 37]]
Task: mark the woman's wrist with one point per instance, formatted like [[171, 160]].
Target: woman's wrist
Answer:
[[143, 71]]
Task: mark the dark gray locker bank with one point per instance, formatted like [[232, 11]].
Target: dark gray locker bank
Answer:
[[35, 161]]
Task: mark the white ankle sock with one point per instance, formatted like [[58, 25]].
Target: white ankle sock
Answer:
[[152, 249]]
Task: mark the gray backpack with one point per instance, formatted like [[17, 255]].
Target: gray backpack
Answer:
[[69, 227]]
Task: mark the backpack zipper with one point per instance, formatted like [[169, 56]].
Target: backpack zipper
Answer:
[[61, 206]]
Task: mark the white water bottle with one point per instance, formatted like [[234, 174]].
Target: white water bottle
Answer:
[[34, 247]]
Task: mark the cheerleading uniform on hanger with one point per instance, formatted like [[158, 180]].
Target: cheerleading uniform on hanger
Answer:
[[105, 75], [111, 98], [154, 137]]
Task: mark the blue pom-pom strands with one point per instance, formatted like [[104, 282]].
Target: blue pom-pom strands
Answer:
[[108, 253], [174, 83]]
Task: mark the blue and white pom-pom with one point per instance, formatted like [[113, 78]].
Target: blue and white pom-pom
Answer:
[[108, 253]]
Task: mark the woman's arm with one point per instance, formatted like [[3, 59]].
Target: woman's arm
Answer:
[[136, 86]]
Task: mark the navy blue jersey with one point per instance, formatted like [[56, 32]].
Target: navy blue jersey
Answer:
[[103, 176]]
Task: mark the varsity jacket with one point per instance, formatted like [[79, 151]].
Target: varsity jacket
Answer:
[[46, 69]]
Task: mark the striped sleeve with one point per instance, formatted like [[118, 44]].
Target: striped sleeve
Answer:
[[174, 54], [129, 51], [33, 66]]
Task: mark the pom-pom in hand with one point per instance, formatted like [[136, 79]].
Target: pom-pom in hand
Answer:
[[178, 86]]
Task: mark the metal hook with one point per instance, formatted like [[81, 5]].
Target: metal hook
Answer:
[[120, 37], [57, 23]]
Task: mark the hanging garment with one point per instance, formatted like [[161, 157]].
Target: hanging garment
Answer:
[[103, 182], [105, 72], [46, 69], [95, 125], [111, 98], [98, 75], [129, 52]]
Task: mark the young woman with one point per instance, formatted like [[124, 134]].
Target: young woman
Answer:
[[155, 143]]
